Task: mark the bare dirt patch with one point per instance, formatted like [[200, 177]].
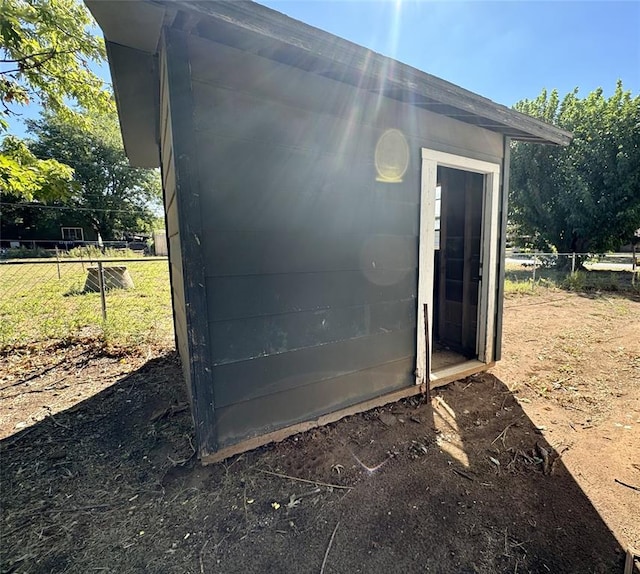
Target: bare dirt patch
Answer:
[[506, 472], [573, 361]]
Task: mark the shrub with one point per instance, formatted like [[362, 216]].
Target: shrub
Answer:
[[95, 252], [25, 253]]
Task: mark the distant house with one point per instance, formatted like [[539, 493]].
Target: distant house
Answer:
[[35, 225], [336, 219]]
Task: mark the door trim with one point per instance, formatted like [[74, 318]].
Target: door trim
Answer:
[[431, 159]]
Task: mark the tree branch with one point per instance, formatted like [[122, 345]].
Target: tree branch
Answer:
[[35, 55], [46, 56]]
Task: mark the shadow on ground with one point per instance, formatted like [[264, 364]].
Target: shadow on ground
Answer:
[[463, 485]]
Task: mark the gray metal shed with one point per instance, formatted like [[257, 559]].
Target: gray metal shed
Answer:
[[336, 219]]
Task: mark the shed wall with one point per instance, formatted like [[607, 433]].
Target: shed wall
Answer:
[[168, 168], [310, 261]]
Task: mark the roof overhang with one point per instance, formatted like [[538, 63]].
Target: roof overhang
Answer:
[[132, 31]]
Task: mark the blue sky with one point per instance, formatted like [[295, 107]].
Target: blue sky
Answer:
[[505, 51]]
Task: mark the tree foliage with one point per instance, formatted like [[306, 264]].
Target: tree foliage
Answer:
[[23, 175], [585, 197], [113, 197], [46, 49]]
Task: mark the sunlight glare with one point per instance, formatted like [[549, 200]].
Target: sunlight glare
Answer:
[[448, 439]]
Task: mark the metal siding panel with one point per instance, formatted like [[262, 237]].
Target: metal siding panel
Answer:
[[257, 295], [245, 253], [227, 68], [241, 339], [270, 412], [250, 186], [244, 380], [261, 120]]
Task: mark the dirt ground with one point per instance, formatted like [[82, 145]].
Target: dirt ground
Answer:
[[529, 468]]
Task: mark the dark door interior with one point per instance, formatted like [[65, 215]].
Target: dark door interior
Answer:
[[457, 260]]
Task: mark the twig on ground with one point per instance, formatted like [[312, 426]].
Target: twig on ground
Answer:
[[200, 555], [315, 482], [42, 373], [76, 509], [506, 543], [463, 474], [217, 545], [134, 380], [503, 434], [55, 421], [244, 502], [627, 485], [227, 467], [181, 462], [326, 554]]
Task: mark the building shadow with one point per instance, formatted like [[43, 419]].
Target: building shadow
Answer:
[[464, 484]]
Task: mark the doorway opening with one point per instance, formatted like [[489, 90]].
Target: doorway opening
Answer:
[[457, 250], [457, 271]]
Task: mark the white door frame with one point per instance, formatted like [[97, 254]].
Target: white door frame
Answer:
[[431, 159]]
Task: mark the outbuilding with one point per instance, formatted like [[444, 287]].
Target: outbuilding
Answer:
[[336, 219]]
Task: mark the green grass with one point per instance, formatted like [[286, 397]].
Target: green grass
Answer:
[[519, 280], [37, 305]]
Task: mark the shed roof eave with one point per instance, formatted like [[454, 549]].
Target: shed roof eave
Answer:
[[349, 62], [359, 61]]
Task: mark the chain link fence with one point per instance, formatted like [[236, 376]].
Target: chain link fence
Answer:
[[123, 301], [127, 301], [575, 271]]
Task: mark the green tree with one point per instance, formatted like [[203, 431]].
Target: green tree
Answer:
[[585, 197], [112, 196], [25, 176], [47, 48]]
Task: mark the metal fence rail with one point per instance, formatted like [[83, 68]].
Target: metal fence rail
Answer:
[[125, 301], [617, 271]]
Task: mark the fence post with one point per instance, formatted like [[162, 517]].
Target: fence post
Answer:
[[103, 299], [534, 267], [58, 261], [573, 263]]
